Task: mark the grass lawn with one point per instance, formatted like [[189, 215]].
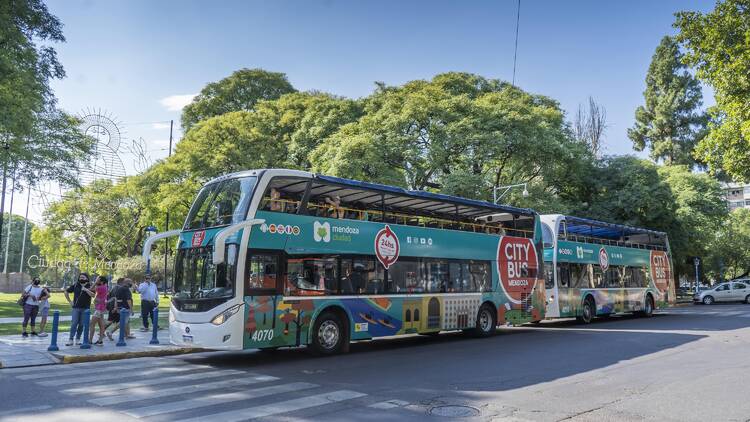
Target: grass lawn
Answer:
[[9, 309], [64, 328]]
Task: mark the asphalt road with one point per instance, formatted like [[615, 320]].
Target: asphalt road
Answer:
[[685, 364]]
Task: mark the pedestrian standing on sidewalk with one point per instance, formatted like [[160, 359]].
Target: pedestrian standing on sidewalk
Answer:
[[125, 301], [81, 302], [44, 309], [149, 300], [113, 319], [31, 307], [100, 307]]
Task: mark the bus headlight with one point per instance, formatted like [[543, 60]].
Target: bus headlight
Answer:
[[224, 316]]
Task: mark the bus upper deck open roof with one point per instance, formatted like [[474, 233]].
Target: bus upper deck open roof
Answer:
[[602, 229], [423, 201], [351, 190]]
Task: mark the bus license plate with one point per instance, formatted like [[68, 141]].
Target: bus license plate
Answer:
[[187, 339]]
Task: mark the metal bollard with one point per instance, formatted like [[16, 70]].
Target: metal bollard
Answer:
[[124, 319], [53, 340], [155, 320], [85, 343]]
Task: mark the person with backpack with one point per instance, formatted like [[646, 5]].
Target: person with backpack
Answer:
[[113, 317], [31, 306], [80, 303]]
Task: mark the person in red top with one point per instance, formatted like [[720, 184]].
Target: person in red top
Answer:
[[100, 307]]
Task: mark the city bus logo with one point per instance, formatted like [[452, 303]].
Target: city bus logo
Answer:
[[517, 265], [661, 272], [322, 232], [603, 259], [386, 246], [198, 238]]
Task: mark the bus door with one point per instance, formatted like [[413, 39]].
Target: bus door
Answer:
[[550, 286]]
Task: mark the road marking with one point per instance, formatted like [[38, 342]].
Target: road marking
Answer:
[[389, 404], [24, 410], [76, 370], [210, 400], [116, 375], [147, 393], [110, 389], [280, 407]]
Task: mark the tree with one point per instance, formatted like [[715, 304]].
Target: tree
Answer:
[[458, 133], [628, 190], [16, 244], [42, 142], [700, 212], [729, 255], [669, 123], [239, 91], [717, 45], [589, 126], [100, 222], [278, 133]]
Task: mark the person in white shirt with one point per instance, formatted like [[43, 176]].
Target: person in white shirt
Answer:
[[149, 300], [31, 307]]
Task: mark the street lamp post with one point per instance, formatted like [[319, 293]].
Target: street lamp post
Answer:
[[6, 148], [506, 189], [696, 262], [150, 230]]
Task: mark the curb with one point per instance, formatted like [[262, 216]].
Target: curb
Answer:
[[64, 359]]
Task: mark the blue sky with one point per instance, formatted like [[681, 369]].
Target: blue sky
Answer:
[[136, 58], [128, 56]]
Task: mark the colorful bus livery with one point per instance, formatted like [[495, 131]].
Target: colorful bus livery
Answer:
[[275, 258], [597, 268]]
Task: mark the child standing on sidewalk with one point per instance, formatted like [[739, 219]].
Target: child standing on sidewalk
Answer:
[[44, 309]]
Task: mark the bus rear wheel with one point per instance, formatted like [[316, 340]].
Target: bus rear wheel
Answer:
[[486, 323], [648, 308], [587, 311], [329, 335]]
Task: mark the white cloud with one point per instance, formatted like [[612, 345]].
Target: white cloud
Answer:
[[176, 102], [160, 126]]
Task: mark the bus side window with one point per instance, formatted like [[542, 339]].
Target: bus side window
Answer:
[[261, 272], [563, 274]]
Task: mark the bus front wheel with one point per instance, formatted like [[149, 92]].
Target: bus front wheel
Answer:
[[329, 335], [486, 323]]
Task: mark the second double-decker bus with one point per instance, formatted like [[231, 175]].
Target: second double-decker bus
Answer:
[[594, 268], [274, 258]]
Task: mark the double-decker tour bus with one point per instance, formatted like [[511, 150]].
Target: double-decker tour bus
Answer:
[[273, 258], [593, 268]]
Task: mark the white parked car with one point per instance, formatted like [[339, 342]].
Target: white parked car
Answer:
[[731, 291]]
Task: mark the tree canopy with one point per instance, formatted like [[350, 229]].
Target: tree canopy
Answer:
[[670, 122], [239, 91], [41, 142], [718, 46]]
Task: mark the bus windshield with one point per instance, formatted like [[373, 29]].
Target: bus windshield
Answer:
[[196, 276], [221, 203]]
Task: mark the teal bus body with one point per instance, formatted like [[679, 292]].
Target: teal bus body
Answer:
[[635, 274], [427, 280]]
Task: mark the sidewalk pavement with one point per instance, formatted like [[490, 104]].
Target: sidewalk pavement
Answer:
[[16, 351]]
